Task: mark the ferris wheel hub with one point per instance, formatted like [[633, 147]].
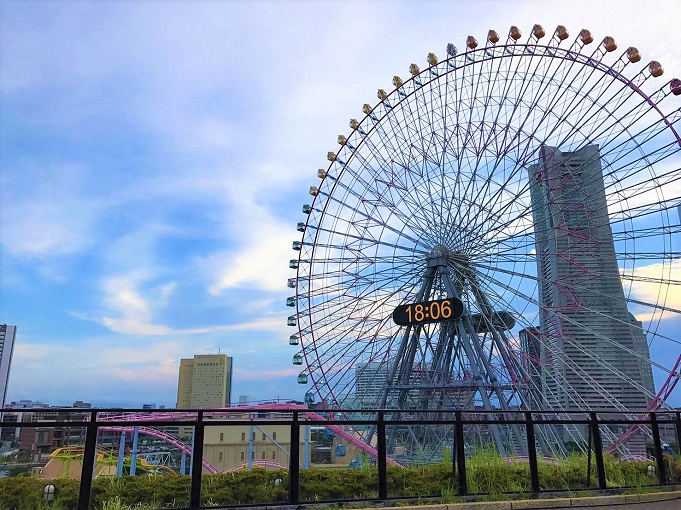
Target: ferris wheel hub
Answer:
[[443, 256]]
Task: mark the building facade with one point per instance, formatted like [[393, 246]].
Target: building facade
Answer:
[[369, 381], [205, 381], [589, 340], [7, 337]]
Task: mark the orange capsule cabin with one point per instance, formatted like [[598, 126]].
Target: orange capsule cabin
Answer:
[[538, 31], [609, 44], [562, 32], [655, 69], [586, 37], [633, 54], [675, 86]]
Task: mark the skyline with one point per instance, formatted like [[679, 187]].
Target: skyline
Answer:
[[154, 169]]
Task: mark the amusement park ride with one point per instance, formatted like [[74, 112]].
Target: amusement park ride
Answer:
[[533, 185], [441, 234]]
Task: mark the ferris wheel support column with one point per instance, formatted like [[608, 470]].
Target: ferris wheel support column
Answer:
[[425, 287], [466, 330], [501, 341]]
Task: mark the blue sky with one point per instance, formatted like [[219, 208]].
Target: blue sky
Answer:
[[155, 156]]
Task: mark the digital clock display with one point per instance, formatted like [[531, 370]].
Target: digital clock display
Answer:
[[428, 312]]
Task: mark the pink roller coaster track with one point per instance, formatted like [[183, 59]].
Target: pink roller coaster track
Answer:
[[258, 463], [230, 412], [181, 445]]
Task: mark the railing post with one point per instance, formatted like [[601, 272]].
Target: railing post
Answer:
[[460, 455], [454, 451], [381, 461], [197, 463], [598, 450], [588, 459], [294, 462], [661, 468], [88, 467], [678, 432], [532, 452]]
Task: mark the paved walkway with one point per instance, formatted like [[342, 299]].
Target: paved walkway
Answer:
[[648, 501], [674, 504]]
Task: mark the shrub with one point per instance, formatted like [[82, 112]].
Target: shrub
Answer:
[[487, 473]]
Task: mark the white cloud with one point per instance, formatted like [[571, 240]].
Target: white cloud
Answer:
[[52, 216], [260, 260], [264, 375], [131, 305], [658, 285]]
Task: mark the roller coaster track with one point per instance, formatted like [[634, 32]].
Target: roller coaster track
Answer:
[[169, 439], [231, 413]]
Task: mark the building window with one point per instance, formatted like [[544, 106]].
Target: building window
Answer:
[[264, 436], [243, 456], [252, 455], [222, 436], [274, 436], [220, 456], [243, 436], [253, 436], [274, 454], [263, 455]]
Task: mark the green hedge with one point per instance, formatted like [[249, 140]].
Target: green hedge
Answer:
[[487, 473]]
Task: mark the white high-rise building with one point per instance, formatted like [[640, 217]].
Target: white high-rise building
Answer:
[[369, 381], [590, 337], [7, 336]]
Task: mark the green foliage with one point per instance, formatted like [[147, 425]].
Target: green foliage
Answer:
[[487, 473], [26, 493], [330, 483]]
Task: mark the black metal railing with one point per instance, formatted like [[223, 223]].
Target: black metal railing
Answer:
[[97, 418]]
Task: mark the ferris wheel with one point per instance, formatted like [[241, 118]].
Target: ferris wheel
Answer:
[[537, 182]]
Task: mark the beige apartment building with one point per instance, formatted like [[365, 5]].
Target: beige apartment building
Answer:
[[228, 447], [205, 381]]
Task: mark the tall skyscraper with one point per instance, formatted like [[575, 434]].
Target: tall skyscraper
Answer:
[[7, 336], [584, 316], [205, 381]]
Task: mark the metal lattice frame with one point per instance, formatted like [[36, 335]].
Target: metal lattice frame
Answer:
[[440, 190]]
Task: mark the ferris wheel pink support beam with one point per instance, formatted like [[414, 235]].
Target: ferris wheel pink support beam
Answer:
[[172, 440], [654, 405]]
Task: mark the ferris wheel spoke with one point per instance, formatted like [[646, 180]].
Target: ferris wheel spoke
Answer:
[[570, 320], [412, 217], [591, 290], [605, 393]]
